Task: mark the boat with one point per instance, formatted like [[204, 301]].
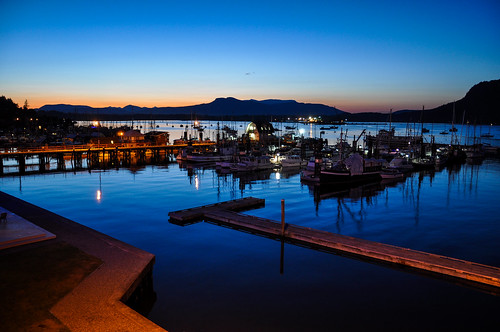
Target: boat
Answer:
[[312, 171], [183, 153], [206, 157], [292, 161], [425, 130], [252, 163], [222, 154], [453, 129], [391, 173], [444, 132], [353, 170], [400, 164], [421, 163]]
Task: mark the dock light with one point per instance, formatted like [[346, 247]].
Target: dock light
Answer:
[[95, 123], [99, 195], [301, 131], [120, 133]]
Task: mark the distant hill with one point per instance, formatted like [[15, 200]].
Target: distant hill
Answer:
[[480, 105], [220, 107]]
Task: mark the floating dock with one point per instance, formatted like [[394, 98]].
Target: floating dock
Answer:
[[224, 213]]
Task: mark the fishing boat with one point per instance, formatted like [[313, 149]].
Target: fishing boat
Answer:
[[352, 170]]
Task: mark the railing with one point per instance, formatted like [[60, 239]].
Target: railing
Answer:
[[60, 148]]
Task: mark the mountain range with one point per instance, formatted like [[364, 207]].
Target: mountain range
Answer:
[[481, 104], [221, 107]]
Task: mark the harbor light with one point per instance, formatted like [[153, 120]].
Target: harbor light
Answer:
[[99, 195]]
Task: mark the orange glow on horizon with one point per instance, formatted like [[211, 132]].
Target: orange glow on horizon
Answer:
[[345, 104]]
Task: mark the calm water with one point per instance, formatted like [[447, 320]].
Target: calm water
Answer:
[[211, 278]]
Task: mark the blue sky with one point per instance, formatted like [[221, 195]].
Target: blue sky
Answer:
[[355, 55]]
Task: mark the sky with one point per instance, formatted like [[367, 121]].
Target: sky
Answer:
[[353, 55]]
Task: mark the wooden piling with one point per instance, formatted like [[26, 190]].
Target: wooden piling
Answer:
[[282, 217]]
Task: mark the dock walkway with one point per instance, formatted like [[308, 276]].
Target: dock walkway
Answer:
[[442, 265]]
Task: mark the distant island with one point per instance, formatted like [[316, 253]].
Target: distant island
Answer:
[[481, 104]]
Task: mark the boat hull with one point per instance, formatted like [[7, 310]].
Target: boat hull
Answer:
[[334, 177]]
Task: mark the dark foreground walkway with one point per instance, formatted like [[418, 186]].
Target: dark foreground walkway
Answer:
[[96, 303]]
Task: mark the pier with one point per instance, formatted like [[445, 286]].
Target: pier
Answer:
[[96, 156], [225, 214]]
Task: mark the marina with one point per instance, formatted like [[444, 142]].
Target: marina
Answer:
[[449, 211]]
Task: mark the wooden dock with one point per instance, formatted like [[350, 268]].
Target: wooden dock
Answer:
[[96, 156], [224, 213]]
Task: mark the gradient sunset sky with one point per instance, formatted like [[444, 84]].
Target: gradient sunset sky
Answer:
[[354, 55]]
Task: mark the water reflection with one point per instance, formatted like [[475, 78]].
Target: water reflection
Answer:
[[99, 191]]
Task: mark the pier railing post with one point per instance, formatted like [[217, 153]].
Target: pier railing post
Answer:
[[282, 217]]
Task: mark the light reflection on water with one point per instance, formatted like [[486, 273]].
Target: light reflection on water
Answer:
[[212, 278]]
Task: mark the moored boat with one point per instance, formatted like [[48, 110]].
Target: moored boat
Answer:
[[292, 161], [391, 173], [252, 163], [352, 170]]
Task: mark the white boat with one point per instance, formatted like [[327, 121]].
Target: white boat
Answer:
[[400, 164], [292, 161], [252, 163], [222, 154], [197, 157]]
